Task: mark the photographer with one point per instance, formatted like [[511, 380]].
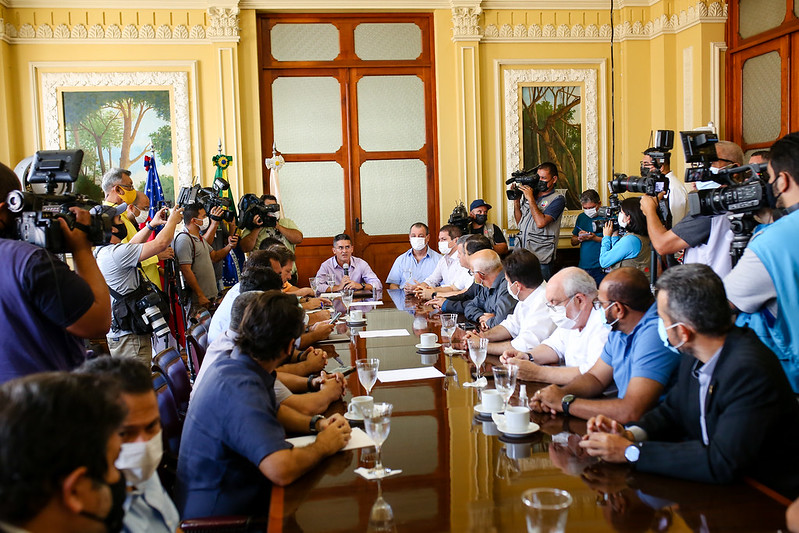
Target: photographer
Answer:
[[285, 230], [478, 225], [218, 235], [119, 262], [138, 214], [705, 239], [538, 215], [677, 193], [633, 249], [45, 308], [763, 283]]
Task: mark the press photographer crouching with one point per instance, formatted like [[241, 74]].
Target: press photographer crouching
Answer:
[[138, 309], [46, 308]]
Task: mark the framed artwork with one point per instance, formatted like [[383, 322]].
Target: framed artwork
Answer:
[[117, 118], [552, 114]]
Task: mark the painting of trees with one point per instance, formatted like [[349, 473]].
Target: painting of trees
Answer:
[[552, 131]]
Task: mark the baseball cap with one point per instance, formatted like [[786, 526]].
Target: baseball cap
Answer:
[[478, 203]]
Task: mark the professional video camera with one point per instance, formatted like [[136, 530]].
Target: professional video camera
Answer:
[[251, 205], [608, 213], [524, 177], [460, 217], [37, 215], [209, 197], [700, 153]]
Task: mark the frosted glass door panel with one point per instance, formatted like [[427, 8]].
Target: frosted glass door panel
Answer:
[[307, 115], [757, 16], [393, 195], [762, 102], [374, 42], [312, 194], [391, 113], [304, 42]]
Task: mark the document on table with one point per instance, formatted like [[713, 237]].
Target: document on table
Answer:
[[376, 333], [408, 374], [358, 439], [335, 338], [366, 302]]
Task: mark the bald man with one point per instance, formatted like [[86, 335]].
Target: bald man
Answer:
[[493, 302], [634, 357], [705, 239]]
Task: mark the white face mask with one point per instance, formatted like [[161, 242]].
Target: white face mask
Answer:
[[204, 223], [514, 296], [590, 213], [138, 460], [559, 318], [443, 247], [705, 185], [622, 221], [142, 218], [417, 243]]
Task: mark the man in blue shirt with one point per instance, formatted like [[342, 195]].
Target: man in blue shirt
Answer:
[[415, 265], [634, 357], [586, 238], [234, 445]]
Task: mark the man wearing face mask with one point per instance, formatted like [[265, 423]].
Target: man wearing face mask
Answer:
[[147, 507], [60, 435], [119, 262], [196, 257], [633, 358], [46, 308], [586, 238], [538, 214], [413, 267], [762, 286], [450, 277], [705, 239], [731, 414], [138, 214], [529, 324], [478, 213], [579, 335], [493, 303]]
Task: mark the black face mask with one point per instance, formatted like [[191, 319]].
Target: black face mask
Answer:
[[122, 231], [770, 196], [113, 521], [644, 171], [481, 219]]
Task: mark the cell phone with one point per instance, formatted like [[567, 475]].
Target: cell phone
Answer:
[[334, 318], [467, 326]]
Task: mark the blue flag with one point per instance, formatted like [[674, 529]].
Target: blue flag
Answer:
[[153, 189]]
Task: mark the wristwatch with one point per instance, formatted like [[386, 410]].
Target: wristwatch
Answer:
[[632, 453], [314, 420], [566, 402]]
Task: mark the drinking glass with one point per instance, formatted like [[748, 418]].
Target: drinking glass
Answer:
[[346, 298], [314, 285], [407, 274], [505, 381], [367, 373], [381, 517], [477, 352], [547, 509], [449, 323], [378, 426]]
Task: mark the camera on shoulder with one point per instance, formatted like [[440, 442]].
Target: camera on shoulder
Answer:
[[251, 206], [527, 177], [209, 197]]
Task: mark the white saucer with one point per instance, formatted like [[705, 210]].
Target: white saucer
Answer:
[[352, 417], [356, 322], [435, 346], [479, 410], [499, 420]]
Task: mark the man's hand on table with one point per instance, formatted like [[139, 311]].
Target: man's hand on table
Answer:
[[436, 303], [547, 400], [606, 439], [334, 384], [512, 356], [334, 434], [316, 361], [484, 318]]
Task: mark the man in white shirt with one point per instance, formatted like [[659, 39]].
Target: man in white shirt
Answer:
[[529, 324], [580, 335], [678, 196], [450, 276]]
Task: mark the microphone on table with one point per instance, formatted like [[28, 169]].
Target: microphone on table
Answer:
[[346, 269]]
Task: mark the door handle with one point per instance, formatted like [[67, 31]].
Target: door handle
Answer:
[[358, 224]]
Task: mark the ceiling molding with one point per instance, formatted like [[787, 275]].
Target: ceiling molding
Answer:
[[109, 5]]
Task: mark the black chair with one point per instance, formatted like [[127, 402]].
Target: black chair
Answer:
[[177, 377], [171, 422], [196, 354]]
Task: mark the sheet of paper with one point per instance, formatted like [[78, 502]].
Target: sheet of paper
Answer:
[[335, 338], [366, 302], [408, 374], [376, 333], [358, 439], [330, 295]]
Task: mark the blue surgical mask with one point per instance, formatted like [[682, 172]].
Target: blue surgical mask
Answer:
[[665, 337], [605, 316]]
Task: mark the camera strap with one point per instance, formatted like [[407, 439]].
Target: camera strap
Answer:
[[191, 240]]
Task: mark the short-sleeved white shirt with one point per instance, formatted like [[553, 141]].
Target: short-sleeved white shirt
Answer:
[[449, 272], [529, 324], [580, 348]]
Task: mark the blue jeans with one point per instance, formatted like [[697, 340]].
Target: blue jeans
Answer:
[[597, 273], [546, 270]]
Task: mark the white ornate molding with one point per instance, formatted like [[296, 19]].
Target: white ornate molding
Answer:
[[223, 27], [178, 82], [700, 13], [466, 24], [513, 135]]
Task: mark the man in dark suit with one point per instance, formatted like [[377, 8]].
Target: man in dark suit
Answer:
[[732, 413]]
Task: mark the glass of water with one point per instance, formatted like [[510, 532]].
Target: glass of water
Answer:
[[367, 373], [505, 381], [346, 298], [547, 509], [378, 426], [477, 352], [449, 323], [314, 285]]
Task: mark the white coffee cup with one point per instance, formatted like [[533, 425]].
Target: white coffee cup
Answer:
[[492, 401], [356, 315], [360, 406], [517, 418], [428, 340]]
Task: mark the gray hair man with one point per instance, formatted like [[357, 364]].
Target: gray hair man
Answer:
[[493, 302]]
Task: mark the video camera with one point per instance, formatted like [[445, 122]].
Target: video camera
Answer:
[[251, 205], [209, 197], [700, 153], [37, 215], [460, 217], [524, 177], [608, 213]]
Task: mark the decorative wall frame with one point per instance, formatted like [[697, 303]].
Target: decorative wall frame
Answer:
[[514, 80], [48, 86]]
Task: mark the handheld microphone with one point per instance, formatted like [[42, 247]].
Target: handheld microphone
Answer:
[[346, 269]]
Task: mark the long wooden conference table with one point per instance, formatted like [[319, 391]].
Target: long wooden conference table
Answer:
[[460, 474]]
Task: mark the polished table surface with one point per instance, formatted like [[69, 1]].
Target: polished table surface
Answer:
[[459, 475]]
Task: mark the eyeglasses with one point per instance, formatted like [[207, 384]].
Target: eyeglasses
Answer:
[[557, 304], [127, 187]]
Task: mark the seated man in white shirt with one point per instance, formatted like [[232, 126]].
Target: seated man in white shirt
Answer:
[[579, 338], [450, 277], [529, 324]]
